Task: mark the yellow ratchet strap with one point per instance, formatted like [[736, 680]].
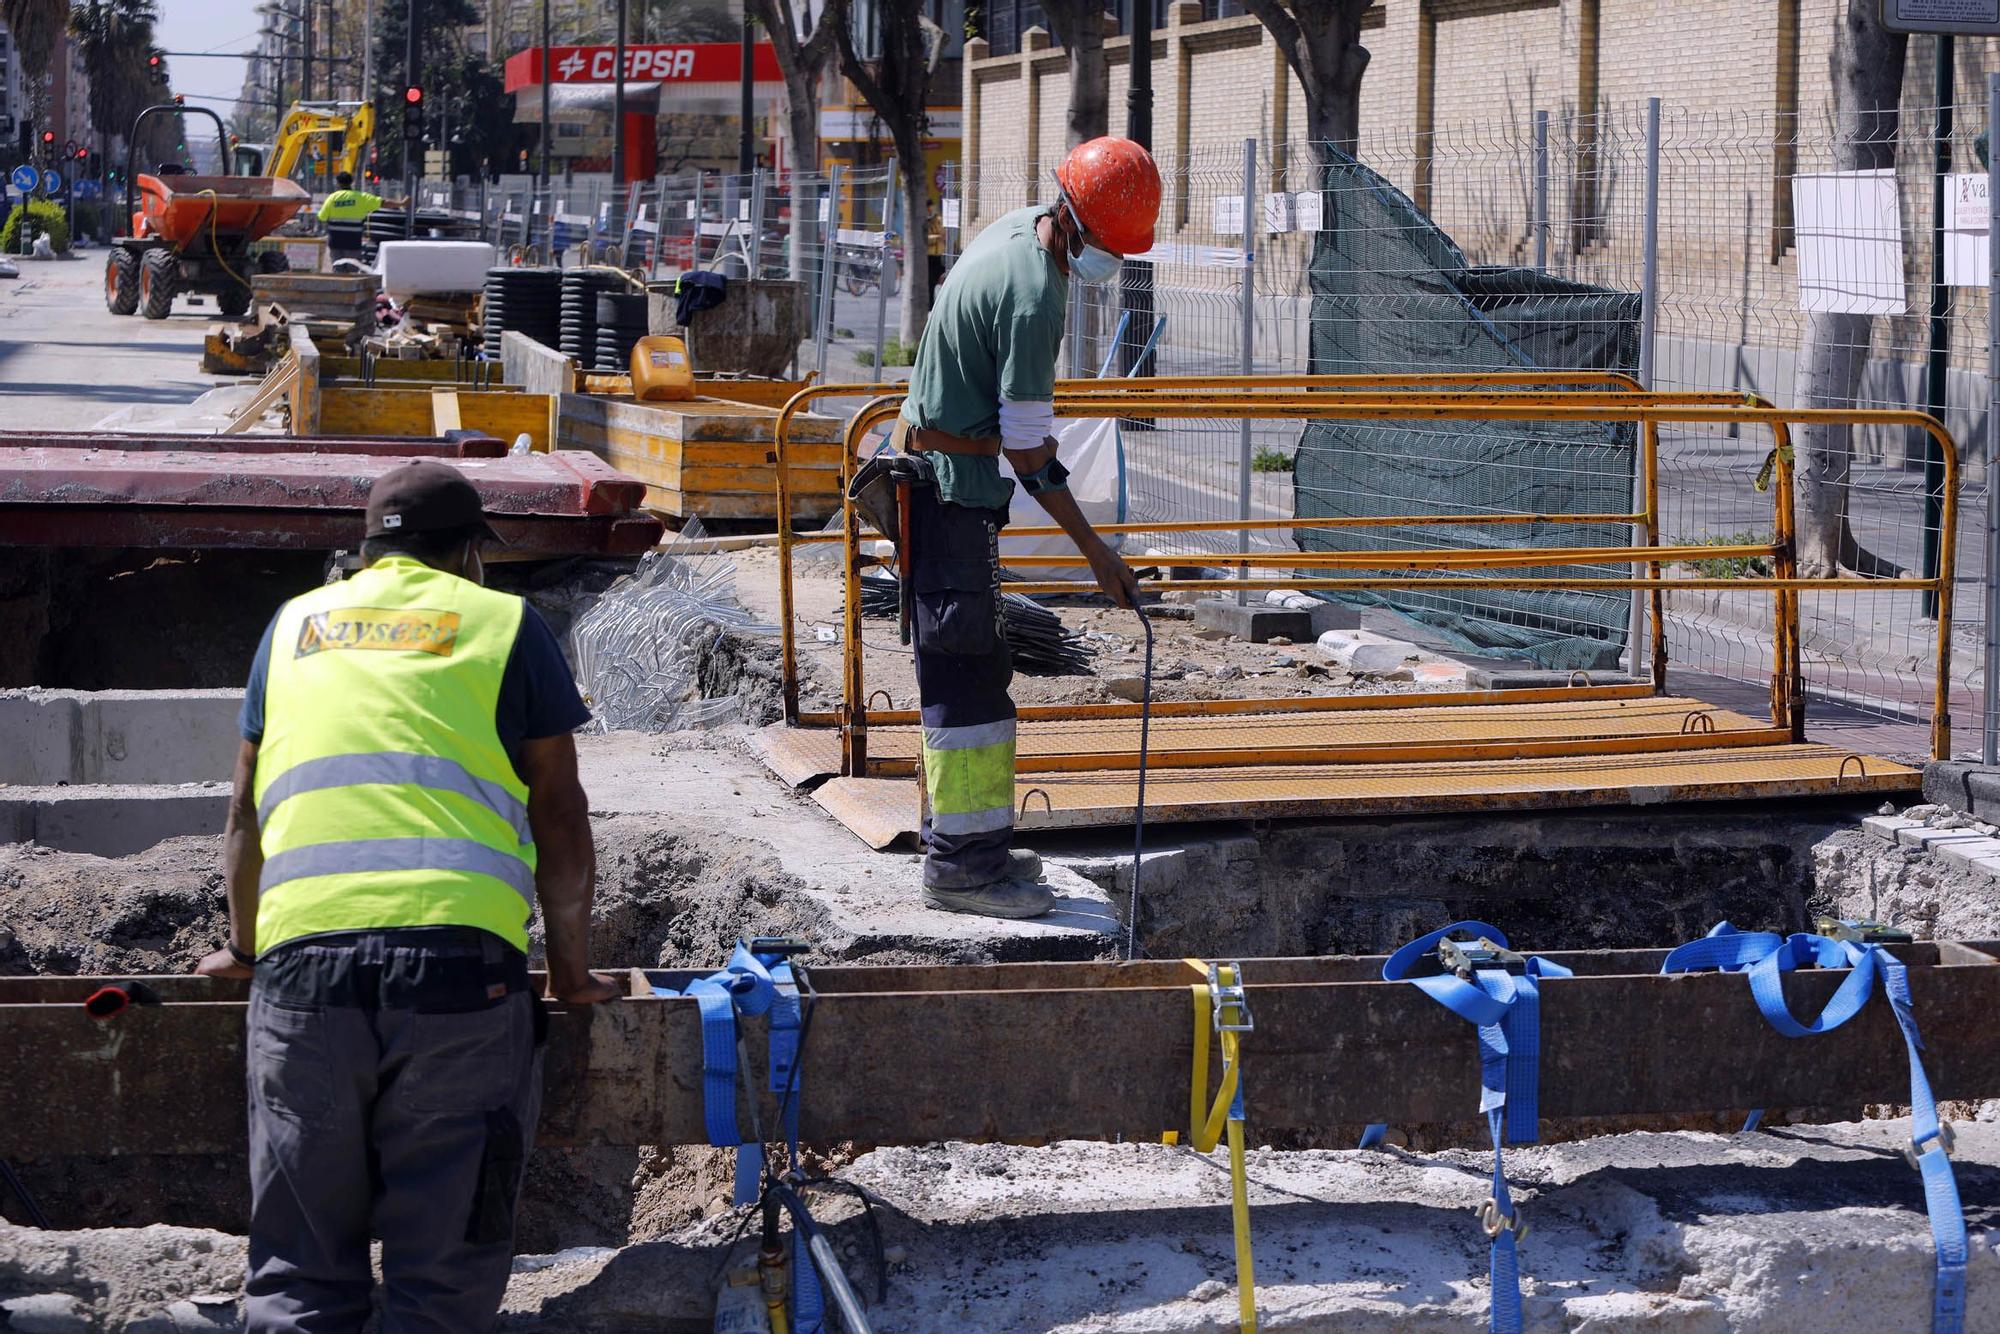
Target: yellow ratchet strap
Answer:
[[1221, 1008]]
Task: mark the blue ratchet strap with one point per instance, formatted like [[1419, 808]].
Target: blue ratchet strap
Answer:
[[744, 985], [808, 1299], [1506, 1009], [1766, 957]]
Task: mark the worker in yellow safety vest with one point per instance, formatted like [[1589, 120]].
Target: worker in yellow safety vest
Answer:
[[346, 213], [405, 793]]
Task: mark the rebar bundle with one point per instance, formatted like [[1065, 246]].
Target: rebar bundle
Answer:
[[638, 649], [1041, 644]]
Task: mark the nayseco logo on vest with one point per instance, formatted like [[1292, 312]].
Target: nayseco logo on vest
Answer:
[[406, 630]]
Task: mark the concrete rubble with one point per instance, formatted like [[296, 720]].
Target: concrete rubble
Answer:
[[1806, 1228]]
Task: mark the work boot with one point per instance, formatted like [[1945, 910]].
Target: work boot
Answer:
[[1022, 864], [1012, 898]]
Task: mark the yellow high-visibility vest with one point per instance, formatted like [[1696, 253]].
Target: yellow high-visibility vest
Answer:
[[384, 795]]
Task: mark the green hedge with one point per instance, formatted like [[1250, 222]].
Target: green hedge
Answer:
[[46, 218]]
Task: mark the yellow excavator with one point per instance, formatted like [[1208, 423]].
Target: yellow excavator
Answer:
[[326, 137]]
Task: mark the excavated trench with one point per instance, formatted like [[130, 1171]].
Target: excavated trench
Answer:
[[679, 890]]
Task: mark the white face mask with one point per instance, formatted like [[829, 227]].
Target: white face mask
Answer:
[[1086, 261], [475, 565]]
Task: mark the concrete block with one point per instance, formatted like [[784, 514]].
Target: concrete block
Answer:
[[1518, 677], [157, 736], [1964, 785], [1926, 839], [1886, 827], [111, 821], [1364, 651], [1255, 622], [118, 736], [40, 728], [1325, 615], [1963, 854]]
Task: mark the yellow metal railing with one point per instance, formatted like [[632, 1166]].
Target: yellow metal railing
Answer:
[[1461, 398]]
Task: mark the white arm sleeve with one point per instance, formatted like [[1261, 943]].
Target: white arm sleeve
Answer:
[[1026, 425]]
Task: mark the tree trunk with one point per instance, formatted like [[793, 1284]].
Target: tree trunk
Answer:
[[1321, 40], [1867, 74], [802, 109], [1079, 26], [915, 174]]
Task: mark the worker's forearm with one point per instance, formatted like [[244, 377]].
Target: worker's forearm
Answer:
[[242, 863], [1061, 506], [566, 884]]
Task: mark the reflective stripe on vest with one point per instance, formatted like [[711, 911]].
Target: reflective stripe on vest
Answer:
[[397, 854], [385, 796], [969, 777], [394, 767]]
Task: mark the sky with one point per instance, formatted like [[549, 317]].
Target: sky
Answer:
[[208, 25]]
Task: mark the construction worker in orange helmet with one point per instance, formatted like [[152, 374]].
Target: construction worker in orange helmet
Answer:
[[984, 386]]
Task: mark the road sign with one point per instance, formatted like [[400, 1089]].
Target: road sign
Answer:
[[1973, 18], [51, 181], [25, 177]]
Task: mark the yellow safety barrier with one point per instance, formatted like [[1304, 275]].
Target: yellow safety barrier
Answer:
[[1500, 397], [1221, 1010]]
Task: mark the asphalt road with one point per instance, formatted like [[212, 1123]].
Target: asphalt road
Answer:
[[66, 362]]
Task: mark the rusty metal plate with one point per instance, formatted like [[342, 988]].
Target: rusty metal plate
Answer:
[[1411, 725], [798, 755], [878, 811], [1333, 1045], [881, 810]]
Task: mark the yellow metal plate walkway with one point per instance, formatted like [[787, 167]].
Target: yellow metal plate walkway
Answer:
[[801, 755], [882, 810], [1451, 759]]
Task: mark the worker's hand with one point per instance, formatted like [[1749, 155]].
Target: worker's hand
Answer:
[[1113, 575], [594, 989], [220, 963]]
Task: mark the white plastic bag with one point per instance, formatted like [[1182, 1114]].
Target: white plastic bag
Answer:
[[1094, 452]]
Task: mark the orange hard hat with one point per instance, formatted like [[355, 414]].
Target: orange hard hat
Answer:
[[1113, 186]]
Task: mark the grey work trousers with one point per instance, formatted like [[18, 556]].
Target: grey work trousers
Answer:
[[394, 1081]]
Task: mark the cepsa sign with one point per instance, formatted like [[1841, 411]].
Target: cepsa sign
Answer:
[[699, 62]]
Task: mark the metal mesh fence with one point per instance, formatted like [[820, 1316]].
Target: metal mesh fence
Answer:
[[1783, 268]]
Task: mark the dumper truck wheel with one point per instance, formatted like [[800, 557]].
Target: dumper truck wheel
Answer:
[[121, 281], [233, 301], [273, 261], [159, 275]]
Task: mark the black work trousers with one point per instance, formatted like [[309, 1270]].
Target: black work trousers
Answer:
[[394, 1081]]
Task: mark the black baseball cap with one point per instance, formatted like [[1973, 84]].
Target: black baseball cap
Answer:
[[425, 497]]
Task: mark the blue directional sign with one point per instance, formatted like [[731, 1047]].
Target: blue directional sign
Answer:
[[25, 177], [51, 181]]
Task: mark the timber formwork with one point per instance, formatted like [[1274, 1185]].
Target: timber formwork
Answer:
[[1587, 744], [1048, 1051]]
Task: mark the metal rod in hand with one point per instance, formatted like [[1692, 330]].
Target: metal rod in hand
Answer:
[[1248, 298]]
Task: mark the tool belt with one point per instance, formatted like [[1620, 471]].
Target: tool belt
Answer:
[[874, 488], [906, 438]]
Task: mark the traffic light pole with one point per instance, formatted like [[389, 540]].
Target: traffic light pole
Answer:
[[412, 124]]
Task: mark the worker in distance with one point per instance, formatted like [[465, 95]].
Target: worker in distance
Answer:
[[983, 387]]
